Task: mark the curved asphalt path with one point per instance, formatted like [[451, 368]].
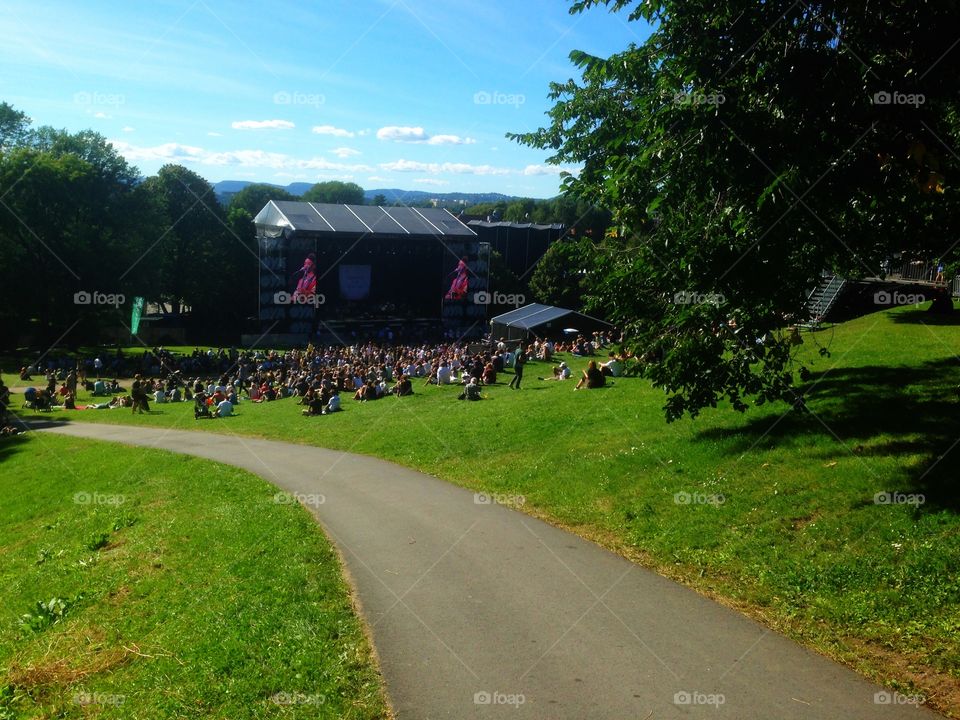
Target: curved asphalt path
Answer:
[[479, 611]]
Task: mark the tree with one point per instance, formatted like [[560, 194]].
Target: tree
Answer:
[[559, 276], [72, 223], [14, 125], [379, 199], [335, 191], [744, 148], [194, 261]]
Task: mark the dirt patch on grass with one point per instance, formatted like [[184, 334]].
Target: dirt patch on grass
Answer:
[[61, 672]]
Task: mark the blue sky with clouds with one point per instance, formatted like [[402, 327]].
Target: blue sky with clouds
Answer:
[[415, 94]]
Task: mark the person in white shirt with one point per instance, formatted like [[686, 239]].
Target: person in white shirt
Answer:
[[443, 374], [333, 404], [224, 409], [560, 372], [612, 367]]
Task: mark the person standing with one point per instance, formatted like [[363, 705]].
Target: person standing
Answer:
[[518, 362]]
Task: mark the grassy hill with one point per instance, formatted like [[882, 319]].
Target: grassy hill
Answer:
[[144, 584], [813, 523]]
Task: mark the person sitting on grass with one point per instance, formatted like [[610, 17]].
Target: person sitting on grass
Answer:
[[403, 386], [333, 404], [41, 399], [224, 409], [613, 367], [99, 388], [592, 377], [25, 374], [471, 390], [367, 392], [489, 376], [314, 404], [560, 372], [444, 372]]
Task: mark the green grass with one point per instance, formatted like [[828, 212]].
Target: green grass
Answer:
[[798, 541], [145, 584]]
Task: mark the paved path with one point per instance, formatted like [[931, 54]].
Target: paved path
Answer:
[[479, 611]]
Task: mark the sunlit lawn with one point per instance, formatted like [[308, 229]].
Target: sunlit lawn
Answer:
[[781, 519], [168, 587]]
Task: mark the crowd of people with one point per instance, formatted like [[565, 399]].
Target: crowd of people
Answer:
[[318, 377]]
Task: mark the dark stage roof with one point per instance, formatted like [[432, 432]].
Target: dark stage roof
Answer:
[[369, 220], [514, 225], [531, 318]]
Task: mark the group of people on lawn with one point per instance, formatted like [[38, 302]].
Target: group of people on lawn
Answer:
[[319, 376]]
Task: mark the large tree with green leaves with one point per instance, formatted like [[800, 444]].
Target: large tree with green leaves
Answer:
[[334, 191], [743, 149], [194, 260], [72, 220]]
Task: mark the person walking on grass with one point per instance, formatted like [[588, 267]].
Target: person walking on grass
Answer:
[[518, 362]]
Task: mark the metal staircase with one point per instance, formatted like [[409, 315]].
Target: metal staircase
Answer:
[[824, 297]]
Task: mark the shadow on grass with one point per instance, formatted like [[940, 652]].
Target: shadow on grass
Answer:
[[10, 445], [925, 317], [916, 409]]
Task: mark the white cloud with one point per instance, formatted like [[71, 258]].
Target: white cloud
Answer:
[[376, 178], [331, 130], [261, 124], [174, 152], [167, 152], [431, 181], [365, 131], [450, 140], [214, 134], [344, 152], [419, 135], [126, 129], [101, 115], [549, 170], [447, 167]]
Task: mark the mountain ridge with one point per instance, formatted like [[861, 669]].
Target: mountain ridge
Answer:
[[227, 188]]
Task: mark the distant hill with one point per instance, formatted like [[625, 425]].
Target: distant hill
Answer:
[[225, 189]]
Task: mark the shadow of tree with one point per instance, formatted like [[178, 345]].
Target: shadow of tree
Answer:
[[925, 317], [10, 445], [915, 409]]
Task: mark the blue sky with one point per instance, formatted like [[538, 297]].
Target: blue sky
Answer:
[[415, 94]]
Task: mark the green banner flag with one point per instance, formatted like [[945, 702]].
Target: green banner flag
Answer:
[[135, 315]]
